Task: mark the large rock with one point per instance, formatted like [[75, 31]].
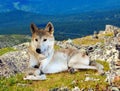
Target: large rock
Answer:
[[111, 28], [14, 62]]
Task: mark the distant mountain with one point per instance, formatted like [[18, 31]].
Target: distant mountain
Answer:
[[56, 7], [66, 26]]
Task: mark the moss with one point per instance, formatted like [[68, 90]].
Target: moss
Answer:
[[5, 50], [56, 47], [105, 64]]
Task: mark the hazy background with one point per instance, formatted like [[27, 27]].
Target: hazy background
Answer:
[[71, 18]]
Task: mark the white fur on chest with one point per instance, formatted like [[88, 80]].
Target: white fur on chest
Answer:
[[58, 63]]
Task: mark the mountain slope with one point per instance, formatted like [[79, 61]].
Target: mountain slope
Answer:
[[66, 26]]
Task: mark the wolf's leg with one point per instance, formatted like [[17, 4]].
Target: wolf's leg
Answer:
[[33, 63], [80, 62]]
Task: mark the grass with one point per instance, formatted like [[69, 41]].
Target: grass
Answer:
[[5, 50], [107, 34], [87, 41], [56, 47], [64, 79]]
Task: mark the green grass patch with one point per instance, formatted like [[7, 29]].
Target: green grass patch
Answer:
[[105, 64], [56, 47], [87, 41], [5, 50], [64, 79]]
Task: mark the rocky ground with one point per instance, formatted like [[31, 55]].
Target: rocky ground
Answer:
[[109, 50], [14, 62], [11, 40]]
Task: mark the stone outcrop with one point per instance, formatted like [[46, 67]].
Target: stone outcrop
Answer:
[[111, 28], [14, 62]]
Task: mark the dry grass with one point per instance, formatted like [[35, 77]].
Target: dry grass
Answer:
[[87, 41]]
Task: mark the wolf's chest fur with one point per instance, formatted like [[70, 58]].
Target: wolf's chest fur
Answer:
[[59, 60]]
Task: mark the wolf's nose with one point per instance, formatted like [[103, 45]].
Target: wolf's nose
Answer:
[[38, 50]]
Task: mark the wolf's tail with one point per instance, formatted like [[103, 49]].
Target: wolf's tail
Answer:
[[99, 66]]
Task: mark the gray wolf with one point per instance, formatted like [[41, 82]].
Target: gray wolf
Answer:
[[43, 55]]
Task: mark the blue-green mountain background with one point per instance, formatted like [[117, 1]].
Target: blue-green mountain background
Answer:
[[71, 18]]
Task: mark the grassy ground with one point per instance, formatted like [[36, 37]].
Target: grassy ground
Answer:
[[5, 50], [64, 79], [88, 40]]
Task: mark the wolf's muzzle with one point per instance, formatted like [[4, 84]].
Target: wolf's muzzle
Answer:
[[38, 50]]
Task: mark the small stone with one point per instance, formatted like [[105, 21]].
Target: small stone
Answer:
[[0, 61], [88, 79], [32, 77], [90, 49], [91, 79], [116, 79], [20, 84], [117, 63], [76, 89], [73, 82], [54, 89], [114, 89]]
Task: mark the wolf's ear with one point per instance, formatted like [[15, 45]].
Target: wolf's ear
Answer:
[[50, 28], [33, 28]]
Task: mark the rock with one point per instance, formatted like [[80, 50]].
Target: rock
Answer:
[[118, 35], [60, 89], [14, 62], [0, 61], [54, 89], [22, 46], [114, 89], [90, 49], [115, 32], [69, 41], [95, 35], [116, 79], [76, 89], [22, 85], [33, 77], [110, 28], [91, 79]]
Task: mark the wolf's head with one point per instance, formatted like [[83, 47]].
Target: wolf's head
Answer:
[[42, 39]]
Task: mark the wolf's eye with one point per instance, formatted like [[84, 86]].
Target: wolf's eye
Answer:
[[44, 39], [36, 39]]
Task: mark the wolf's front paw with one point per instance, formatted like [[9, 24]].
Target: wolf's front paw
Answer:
[[37, 72], [43, 77]]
